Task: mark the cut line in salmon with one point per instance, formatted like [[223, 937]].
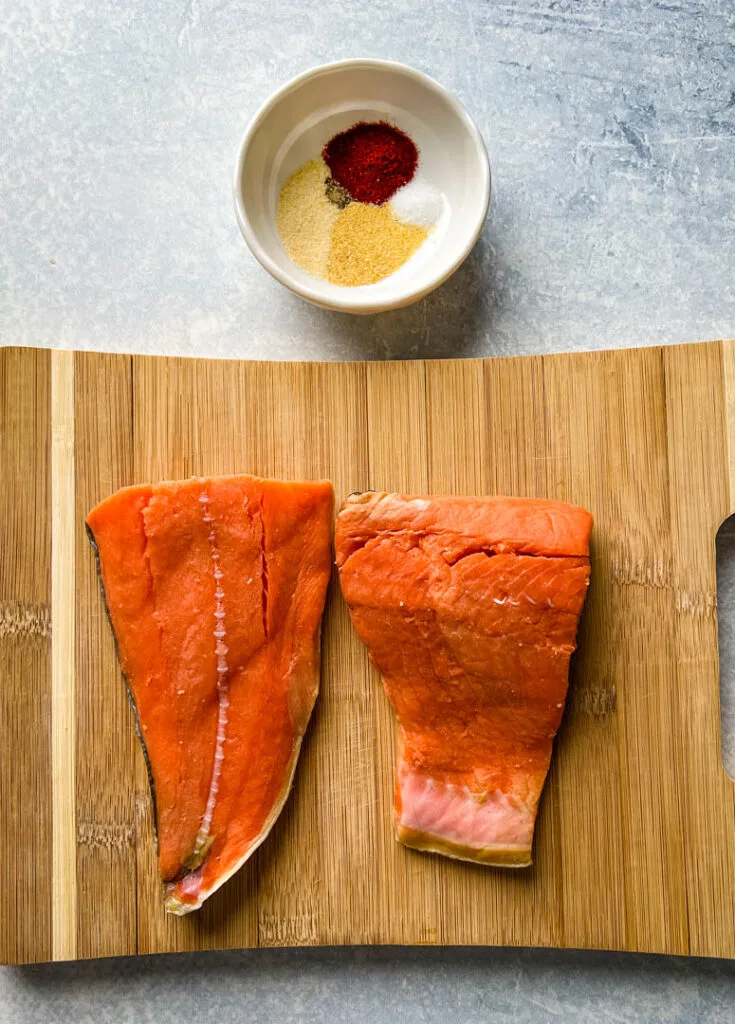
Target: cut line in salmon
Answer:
[[215, 589], [469, 609]]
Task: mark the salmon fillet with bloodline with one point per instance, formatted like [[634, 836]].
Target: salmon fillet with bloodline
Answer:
[[215, 589], [469, 609]]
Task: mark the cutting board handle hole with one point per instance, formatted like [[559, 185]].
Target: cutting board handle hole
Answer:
[[725, 554]]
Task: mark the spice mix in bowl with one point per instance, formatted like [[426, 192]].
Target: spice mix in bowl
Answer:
[[362, 185], [357, 213]]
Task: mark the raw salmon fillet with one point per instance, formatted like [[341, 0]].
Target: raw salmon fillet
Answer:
[[215, 590], [469, 610]]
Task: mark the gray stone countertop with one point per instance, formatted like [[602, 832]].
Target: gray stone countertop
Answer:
[[611, 133]]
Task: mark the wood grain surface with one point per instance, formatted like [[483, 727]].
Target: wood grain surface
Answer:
[[635, 843]]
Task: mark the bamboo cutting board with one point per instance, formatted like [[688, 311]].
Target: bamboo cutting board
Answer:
[[635, 844]]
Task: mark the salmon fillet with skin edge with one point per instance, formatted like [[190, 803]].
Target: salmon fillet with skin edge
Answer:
[[215, 589], [469, 610]]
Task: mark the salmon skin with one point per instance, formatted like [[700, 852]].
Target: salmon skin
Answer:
[[469, 610], [215, 589]]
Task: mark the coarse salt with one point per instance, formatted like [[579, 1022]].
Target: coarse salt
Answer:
[[418, 203]]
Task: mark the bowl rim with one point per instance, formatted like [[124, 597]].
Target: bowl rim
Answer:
[[314, 295]]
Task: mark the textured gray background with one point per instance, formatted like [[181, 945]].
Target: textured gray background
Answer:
[[611, 131]]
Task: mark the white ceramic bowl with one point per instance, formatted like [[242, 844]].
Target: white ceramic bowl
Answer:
[[292, 128]]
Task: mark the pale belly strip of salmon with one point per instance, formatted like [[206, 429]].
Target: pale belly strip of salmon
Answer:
[[469, 609], [215, 589]]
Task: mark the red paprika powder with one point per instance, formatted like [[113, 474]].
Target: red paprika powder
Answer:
[[371, 160]]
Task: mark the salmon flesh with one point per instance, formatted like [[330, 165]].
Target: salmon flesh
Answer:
[[469, 609], [215, 589]]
